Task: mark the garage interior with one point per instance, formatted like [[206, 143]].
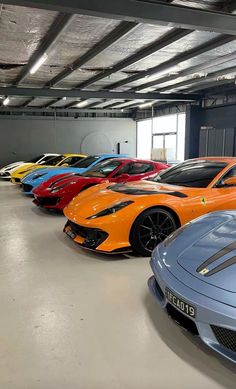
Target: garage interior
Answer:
[[128, 77]]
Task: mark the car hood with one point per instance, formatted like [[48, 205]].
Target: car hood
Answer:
[[74, 179], [12, 166], [23, 167], [203, 254], [144, 187], [45, 174]]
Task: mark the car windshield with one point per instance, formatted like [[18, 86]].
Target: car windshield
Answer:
[[196, 174], [36, 159], [86, 162], [53, 161], [103, 169]]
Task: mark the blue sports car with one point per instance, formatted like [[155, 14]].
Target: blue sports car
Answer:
[[35, 178], [195, 279]]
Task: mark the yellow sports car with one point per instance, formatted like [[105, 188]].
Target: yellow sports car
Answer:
[[60, 160]]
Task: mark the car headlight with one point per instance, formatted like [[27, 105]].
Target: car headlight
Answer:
[[111, 210], [57, 188]]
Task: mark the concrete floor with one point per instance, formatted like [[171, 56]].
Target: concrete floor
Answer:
[[71, 319]]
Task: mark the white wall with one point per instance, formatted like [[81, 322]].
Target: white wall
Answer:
[[23, 138]]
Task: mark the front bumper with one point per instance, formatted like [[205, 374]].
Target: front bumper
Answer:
[[47, 202], [16, 180], [95, 239], [215, 322], [27, 189]]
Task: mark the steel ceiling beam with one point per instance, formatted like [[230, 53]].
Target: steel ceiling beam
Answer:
[[60, 110], [189, 71], [192, 81], [170, 37], [57, 28], [141, 11], [212, 84], [164, 66], [51, 93], [115, 35]]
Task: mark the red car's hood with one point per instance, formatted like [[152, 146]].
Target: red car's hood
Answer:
[[67, 182]]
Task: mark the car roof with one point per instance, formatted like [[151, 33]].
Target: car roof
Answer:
[[50, 154], [215, 159], [122, 159], [74, 155]]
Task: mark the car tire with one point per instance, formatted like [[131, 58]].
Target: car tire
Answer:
[[150, 228]]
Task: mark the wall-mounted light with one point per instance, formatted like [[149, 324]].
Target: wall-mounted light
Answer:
[[39, 63]]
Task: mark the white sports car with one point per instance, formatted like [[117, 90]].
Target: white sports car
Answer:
[[6, 171]]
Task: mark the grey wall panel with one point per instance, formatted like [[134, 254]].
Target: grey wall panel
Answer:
[[192, 133], [203, 143], [23, 138], [219, 142], [229, 142], [221, 117]]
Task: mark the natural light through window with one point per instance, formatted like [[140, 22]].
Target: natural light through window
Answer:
[[162, 138]]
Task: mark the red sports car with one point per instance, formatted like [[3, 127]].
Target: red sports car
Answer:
[[59, 190]]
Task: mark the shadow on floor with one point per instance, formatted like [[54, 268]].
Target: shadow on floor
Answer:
[[90, 254], [46, 213], [189, 348]]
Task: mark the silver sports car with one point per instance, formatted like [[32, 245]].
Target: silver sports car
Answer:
[[195, 279]]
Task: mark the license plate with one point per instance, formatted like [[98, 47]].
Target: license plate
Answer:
[[70, 233], [180, 304]]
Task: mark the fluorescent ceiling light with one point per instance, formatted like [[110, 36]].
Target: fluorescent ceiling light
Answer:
[[82, 104], [226, 77], [6, 101], [145, 105], [39, 63]]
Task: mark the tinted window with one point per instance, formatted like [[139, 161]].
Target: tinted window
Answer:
[[53, 160], [45, 160], [140, 168], [71, 160], [135, 168], [86, 162], [36, 159], [197, 174], [229, 174], [103, 169]]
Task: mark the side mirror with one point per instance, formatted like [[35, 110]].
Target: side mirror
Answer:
[[65, 165], [123, 177], [230, 181]]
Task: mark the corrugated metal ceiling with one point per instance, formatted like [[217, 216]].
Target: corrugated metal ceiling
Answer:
[[22, 29]]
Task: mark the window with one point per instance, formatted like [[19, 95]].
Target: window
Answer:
[[165, 124], [86, 162], [53, 161], [102, 169], [71, 160], [46, 159], [144, 139], [197, 174], [140, 168], [165, 134], [229, 174], [135, 168]]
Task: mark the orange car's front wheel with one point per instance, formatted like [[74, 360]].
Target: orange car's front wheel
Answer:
[[150, 228]]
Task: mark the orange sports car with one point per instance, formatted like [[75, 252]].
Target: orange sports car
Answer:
[[136, 216]]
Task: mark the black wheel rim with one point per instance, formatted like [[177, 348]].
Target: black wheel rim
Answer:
[[154, 228]]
